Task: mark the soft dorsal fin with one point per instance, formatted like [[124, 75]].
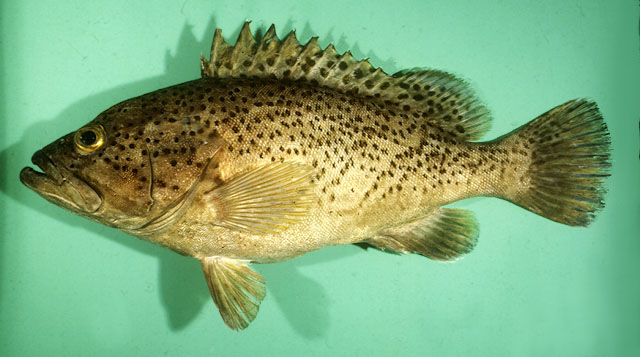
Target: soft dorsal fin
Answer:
[[266, 199], [442, 97], [446, 234], [236, 290]]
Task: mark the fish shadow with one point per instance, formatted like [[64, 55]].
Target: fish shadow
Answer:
[[182, 288]]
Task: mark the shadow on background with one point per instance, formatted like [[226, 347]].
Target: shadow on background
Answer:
[[4, 137], [183, 291]]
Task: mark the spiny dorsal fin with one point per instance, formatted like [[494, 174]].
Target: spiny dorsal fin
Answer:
[[267, 199], [441, 97], [446, 235], [236, 290]]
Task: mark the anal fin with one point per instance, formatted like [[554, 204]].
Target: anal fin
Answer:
[[446, 235], [237, 290]]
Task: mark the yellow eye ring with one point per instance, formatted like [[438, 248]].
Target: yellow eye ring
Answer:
[[89, 138]]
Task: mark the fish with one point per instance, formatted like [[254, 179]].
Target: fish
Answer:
[[282, 148]]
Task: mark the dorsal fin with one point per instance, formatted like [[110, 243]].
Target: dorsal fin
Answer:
[[442, 97]]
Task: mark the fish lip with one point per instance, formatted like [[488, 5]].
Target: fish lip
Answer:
[[60, 186], [48, 167], [34, 179]]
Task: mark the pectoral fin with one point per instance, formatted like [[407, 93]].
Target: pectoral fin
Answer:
[[236, 290], [268, 199], [446, 235]]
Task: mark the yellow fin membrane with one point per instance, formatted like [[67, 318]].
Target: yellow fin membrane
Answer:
[[236, 289], [569, 148], [445, 235], [268, 199]]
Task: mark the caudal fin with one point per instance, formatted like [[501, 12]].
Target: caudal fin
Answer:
[[569, 148]]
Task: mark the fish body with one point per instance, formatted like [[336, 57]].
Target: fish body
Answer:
[[281, 149], [372, 168]]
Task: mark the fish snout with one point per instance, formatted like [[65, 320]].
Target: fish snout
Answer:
[[59, 185], [41, 160]]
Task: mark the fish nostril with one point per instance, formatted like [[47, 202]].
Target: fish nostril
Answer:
[[38, 157], [44, 162]]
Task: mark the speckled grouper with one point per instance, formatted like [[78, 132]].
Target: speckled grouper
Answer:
[[283, 148]]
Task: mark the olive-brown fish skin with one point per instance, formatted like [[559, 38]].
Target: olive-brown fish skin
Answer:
[[375, 165], [135, 171]]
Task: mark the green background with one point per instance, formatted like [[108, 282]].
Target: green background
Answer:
[[532, 287]]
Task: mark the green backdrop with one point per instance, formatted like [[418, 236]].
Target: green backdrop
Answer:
[[532, 287]]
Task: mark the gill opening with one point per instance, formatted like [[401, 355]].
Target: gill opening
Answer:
[[161, 222], [151, 179]]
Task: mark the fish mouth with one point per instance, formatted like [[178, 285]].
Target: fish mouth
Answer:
[[59, 185]]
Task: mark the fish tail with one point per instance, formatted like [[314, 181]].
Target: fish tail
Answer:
[[568, 150]]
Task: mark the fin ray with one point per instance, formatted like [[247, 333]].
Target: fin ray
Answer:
[[445, 235], [236, 289], [267, 199], [439, 96], [569, 148]]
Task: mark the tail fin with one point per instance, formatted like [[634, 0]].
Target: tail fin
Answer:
[[569, 148]]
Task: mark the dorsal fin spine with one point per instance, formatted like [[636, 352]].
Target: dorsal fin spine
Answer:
[[438, 96], [243, 50]]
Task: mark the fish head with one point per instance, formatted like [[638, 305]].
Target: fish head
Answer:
[[83, 173], [128, 168], [58, 180]]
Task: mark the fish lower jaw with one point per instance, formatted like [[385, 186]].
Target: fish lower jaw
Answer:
[[72, 195]]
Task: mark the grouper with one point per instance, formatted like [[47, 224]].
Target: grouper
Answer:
[[283, 148]]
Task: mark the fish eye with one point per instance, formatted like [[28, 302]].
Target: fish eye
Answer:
[[89, 139]]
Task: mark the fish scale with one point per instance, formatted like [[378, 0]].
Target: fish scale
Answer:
[[282, 148], [351, 145]]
